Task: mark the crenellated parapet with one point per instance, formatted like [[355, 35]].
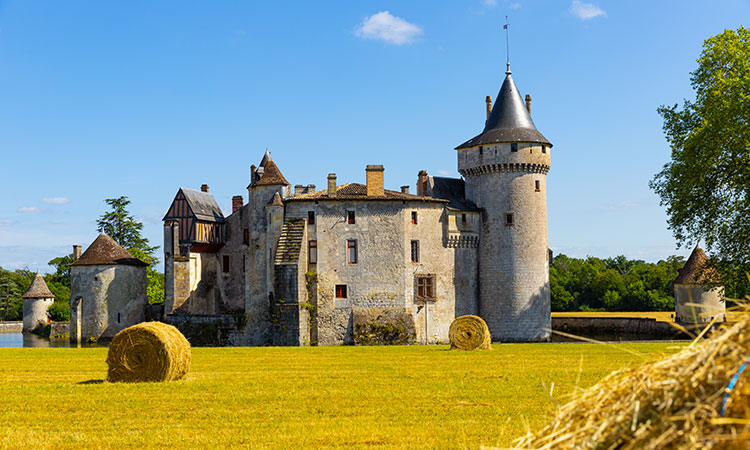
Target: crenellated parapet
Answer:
[[508, 167]]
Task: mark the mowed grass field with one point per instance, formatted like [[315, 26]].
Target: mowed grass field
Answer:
[[319, 397]]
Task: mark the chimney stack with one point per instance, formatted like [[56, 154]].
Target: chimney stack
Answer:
[[299, 189], [331, 184], [422, 183], [237, 202], [252, 173], [204, 188], [76, 252], [375, 182], [404, 189], [528, 103], [488, 105]]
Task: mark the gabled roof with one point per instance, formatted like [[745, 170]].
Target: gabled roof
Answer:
[[203, 205], [275, 201], [356, 191], [271, 175], [38, 289], [105, 251], [509, 120], [697, 271], [453, 190]]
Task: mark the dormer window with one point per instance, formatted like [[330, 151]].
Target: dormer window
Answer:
[[514, 147]]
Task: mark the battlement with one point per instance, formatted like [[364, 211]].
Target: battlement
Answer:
[[517, 167]]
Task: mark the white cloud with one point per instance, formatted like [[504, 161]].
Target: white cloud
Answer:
[[489, 2], [391, 29], [28, 209], [515, 5], [586, 11], [56, 200], [7, 223], [444, 172]]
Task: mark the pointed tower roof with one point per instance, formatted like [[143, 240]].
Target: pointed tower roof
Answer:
[[509, 120], [266, 158], [271, 175], [105, 251], [691, 271], [38, 289], [275, 201]]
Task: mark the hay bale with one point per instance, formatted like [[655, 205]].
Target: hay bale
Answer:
[[685, 401], [149, 351], [469, 333]]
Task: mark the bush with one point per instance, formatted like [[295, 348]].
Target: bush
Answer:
[[59, 312]]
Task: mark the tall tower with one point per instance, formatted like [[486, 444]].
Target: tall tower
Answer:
[[505, 169]]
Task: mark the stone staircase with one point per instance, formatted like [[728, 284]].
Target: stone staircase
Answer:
[[290, 242]]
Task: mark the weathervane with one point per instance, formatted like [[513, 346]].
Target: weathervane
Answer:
[[507, 47]]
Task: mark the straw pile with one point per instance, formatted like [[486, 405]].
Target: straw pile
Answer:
[[149, 351], [698, 398], [469, 333]]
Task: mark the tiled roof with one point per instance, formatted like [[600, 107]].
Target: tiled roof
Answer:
[[290, 241], [38, 289], [271, 175], [275, 201], [696, 271], [453, 190], [356, 191], [203, 205], [105, 251]]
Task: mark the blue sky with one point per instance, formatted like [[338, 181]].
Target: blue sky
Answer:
[[102, 99]]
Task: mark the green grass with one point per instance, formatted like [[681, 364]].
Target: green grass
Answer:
[[412, 396]]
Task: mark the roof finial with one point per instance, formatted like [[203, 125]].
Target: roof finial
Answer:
[[507, 47]]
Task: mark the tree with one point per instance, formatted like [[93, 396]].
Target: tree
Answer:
[[62, 269], [706, 185]]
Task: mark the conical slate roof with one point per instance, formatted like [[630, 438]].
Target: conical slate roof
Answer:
[[105, 251], [691, 271], [266, 158], [38, 289], [271, 175], [509, 120]]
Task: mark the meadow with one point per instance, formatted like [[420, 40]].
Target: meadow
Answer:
[[319, 397]]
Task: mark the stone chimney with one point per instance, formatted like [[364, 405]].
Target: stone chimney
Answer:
[[204, 188], [299, 189], [252, 173], [488, 105], [422, 183], [528, 103], [375, 185], [331, 184], [404, 189], [237, 202], [76, 252]]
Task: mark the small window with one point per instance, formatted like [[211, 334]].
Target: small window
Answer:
[[544, 149], [415, 251], [312, 252], [246, 236], [225, 264], [414, 217], [514, 147], [481, 150], [463, 217], [509, 218], [311, 217], [351, 251], [425, 287], [350, 217], [244, 266], [340, 291], [118, 317], [537, 185]]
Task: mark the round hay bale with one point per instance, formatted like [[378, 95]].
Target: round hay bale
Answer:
[[469, 333], [149, 351]]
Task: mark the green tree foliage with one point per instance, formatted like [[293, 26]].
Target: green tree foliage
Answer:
[[12, 286], [62, 270], [705, 185], [613, 284]]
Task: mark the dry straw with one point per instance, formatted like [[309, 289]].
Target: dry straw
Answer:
[[149, 351], [469, 333], [695, 399]]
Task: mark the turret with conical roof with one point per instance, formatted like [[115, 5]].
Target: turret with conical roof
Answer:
[[698, 294], [36, 301], [505, 169]]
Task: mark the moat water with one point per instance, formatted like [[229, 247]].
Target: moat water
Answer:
[[28, 340]]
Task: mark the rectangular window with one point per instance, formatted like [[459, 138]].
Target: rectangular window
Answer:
[[244, 266], [340, 291], [509, 218], [481, 150], [311, 217], [425, 287], [544, 149], [537, 185], [463, 217], [351, 251], [350, 217], [312, 252], [246, 236], [225, 264], [514, 147], [414, 217], [415, 251]]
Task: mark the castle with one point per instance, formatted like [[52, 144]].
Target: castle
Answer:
[[305, 266]]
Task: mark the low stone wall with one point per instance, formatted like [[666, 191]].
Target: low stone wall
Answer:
[[11, 327], [208, 330], [619, 328], [59, 330]]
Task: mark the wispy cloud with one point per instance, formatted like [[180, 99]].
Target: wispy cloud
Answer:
[[586, 11], [515, 5], [28, 209], [56, 200], [7, 223], [489, 2], [444, 172], [391, 29]]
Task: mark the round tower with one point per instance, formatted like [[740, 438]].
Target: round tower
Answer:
[[36, 302], [505, 169], [698, 294]]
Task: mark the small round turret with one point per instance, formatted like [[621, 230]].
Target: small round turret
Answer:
[[36, 302]]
